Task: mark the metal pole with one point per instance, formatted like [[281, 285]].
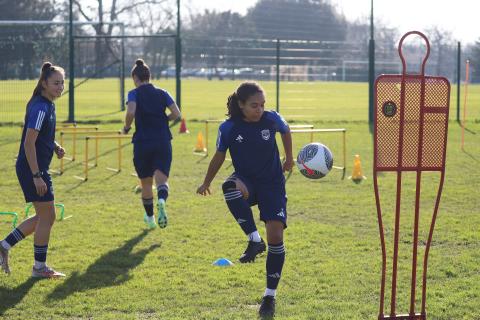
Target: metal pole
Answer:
[[178, 59], [459, 71], [371, 69], [278, 75], [71, 71], [49, 22], [122, 72]]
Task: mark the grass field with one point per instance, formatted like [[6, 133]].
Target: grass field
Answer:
[[118, 270], [99, 100]]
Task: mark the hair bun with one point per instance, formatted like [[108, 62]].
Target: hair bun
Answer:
[[46, 65], [139, 62]]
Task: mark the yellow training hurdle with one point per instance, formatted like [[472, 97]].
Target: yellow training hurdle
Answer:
[[74, 131], [119, 137], [80, 131]]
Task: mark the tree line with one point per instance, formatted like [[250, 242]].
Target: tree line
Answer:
[[204, 34]]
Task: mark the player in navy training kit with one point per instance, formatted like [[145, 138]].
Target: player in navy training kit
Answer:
[[249, 134], [34, 156], [152, 147]]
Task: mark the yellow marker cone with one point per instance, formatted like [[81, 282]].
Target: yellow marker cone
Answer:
[[357, 175], [200, 147]]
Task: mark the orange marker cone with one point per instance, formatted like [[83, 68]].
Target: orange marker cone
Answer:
[[357, 175], [200, 147], [183, 127]]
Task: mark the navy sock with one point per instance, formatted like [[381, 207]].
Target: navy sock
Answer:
[[40, 253], [275, 260], [148, 205], [239, 207], [162, 192], [14, 237]]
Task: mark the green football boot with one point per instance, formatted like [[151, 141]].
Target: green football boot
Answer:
[[162, 214], [149, 221]]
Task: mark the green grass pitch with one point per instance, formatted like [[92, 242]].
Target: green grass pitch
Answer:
[[118, 270]]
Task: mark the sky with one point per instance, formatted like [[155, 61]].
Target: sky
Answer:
[[460, 17]]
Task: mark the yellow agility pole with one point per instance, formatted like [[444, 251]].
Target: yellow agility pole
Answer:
[[99, 137], [344, 143], [74, 131], [298, 126], [67, 124], [467, 67], [205, 154], [75, 128], [74, 147], [302, 126]]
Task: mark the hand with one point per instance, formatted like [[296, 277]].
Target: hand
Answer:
[[41, 186], [288, 164], [125, 130], [204, 190], [59, 151]]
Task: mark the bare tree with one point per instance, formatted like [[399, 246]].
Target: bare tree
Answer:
[[149, 15], [442, 44]]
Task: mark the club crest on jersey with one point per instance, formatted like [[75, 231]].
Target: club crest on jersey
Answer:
[[266, 134]]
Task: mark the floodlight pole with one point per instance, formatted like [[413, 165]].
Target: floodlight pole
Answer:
[[71, 71], [371, 69], [178, 60]]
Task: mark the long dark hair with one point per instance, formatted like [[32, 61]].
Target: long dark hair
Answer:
[[48, 69], [243, 92], [141, 70]]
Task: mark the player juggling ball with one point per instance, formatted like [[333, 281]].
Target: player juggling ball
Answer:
[[152, 147], [37, 147], [249, 134]]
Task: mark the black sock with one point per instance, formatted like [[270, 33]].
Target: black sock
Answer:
[[14, 237], [162, 192], [275, 260], [40, 253], [148, 205]]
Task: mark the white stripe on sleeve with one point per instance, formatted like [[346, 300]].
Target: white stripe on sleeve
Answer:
[[41, 116]]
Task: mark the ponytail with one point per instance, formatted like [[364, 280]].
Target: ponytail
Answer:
[[141, 70], [47, 70], [233, 106], [243, 92]]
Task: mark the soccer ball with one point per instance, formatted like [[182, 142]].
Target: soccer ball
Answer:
[[315, 160]]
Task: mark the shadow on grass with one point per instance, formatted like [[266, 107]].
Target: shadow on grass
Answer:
[[75, 186], [111, 269], [9, 298], [471, 156]]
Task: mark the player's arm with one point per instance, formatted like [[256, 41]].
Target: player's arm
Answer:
[[215, 165], [287, 146], [31, 154], [284, 129], [174, 112], [129, 116]]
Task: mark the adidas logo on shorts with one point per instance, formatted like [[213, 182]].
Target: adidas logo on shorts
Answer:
[[281, 213]]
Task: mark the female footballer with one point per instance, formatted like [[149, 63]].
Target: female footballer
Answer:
[[258, 179], [152, 147], [36, 150]]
